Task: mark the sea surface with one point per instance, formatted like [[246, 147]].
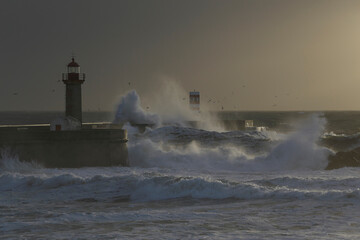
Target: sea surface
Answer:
[[194, 183]]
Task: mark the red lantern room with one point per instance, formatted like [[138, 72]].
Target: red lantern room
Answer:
[[73, 67], [73, 72]]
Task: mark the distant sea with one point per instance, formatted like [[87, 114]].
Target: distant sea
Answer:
[[191, 183]]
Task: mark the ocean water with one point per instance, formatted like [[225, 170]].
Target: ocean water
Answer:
[[187, 183]]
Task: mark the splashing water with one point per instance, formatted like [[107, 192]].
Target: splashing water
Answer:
[[300, 149], [170, 106], [201, 149], [9, 162], [184, 182], [130, 110], [214, 150]]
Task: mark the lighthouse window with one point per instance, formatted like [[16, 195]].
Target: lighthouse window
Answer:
[[73, 69]]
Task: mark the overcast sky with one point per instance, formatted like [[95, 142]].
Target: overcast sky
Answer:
[[246, 54]]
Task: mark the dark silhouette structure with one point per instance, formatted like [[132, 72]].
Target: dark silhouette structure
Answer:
[[73, 80]]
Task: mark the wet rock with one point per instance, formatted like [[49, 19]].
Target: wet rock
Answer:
[[344, 159]]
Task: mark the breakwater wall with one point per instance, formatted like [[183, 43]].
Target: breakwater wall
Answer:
[[65, 149]]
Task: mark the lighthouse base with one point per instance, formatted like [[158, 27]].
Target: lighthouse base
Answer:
[[66, 149]]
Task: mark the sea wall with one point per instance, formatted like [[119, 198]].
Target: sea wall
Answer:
[[66, 149]]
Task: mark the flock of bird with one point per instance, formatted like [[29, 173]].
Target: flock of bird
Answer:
[[209, 101]]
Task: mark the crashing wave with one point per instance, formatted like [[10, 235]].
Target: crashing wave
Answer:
[[139, 185]]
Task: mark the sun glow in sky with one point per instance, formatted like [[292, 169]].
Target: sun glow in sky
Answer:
[[248, 55]]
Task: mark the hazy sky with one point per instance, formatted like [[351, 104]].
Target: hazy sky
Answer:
[[248, 55]]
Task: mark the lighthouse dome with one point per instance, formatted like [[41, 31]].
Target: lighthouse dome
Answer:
[[73, 63]]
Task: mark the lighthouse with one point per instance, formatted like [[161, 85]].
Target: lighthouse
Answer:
[[73, 80], [194, 99]]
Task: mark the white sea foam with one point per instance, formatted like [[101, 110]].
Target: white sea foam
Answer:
[[9, 162], [340, 135], [138, 185], [298, 150], [165, 187]]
